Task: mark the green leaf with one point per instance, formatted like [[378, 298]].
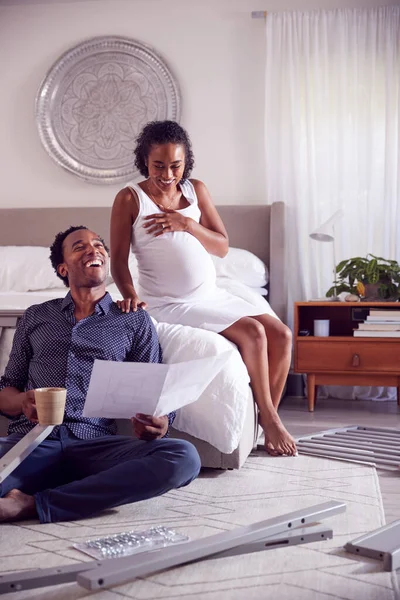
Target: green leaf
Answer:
[[341, 265]]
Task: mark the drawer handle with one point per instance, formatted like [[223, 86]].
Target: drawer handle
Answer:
[[356, 360]]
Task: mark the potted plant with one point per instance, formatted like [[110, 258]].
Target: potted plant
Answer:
[[370, 278]]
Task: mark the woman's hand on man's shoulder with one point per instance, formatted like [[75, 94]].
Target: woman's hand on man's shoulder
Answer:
[[131, 303]]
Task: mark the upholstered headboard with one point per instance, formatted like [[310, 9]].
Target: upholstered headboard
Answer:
[[259, 229]]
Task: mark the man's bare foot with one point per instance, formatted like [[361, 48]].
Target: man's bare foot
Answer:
[[278, 440], [16, 506]]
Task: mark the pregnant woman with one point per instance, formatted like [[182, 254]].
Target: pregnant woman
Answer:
[[173, 226]]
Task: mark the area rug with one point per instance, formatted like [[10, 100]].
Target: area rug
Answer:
[[219, 501]]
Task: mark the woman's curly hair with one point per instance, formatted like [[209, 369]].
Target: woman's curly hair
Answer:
[[162, 132]]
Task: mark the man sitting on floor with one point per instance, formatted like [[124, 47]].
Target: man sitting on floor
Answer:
[[83, 467]]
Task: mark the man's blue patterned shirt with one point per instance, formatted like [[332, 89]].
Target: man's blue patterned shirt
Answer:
[[51, 349]]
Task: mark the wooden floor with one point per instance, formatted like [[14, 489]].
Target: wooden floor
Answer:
[[330, 413]]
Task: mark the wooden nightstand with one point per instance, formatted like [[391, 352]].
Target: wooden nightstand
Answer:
[[342, 359]]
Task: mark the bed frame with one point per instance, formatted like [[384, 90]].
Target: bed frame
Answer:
[[259, 229]]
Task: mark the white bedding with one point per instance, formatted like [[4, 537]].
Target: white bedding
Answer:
[[218, 415]]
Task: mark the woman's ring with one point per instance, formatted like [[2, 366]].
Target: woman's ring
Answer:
[[162, 225]]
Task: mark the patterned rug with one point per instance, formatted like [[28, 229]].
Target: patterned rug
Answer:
[[219, 501]]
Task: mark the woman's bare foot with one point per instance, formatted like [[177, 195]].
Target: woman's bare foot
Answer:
[[278, 440], [16, 506], [269, 447]]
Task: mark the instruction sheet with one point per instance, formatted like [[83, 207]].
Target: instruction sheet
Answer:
[[119, 390]]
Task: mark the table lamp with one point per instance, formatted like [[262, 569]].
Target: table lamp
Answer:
[[326, 233]]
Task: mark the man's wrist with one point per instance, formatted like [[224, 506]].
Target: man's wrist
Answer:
[[11, 400], [170, 417]]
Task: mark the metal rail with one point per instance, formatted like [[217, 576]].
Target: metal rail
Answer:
[[293, 528]]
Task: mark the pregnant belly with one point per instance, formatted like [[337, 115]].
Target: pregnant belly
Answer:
[[175, 265]]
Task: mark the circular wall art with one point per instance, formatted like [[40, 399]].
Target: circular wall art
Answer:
[[96, 99]]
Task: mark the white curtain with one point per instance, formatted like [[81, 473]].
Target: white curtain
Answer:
[[333, 137]]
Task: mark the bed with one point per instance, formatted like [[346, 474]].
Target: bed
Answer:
[[257, 229]]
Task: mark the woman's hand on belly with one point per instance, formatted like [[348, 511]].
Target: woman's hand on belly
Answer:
[[166, 222]]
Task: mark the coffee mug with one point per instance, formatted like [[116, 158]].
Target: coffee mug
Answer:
[[50, 405]]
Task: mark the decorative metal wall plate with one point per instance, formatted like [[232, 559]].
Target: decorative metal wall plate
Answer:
[[95, 100]]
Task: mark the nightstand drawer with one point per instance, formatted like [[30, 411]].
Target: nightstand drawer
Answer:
[[331, 356]]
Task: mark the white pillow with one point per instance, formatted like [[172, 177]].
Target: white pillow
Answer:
[[260, 290], [243, 266], [237, 288], [114, 291], [133, 267], [26, 269]]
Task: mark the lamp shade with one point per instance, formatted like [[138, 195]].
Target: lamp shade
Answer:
[[321, 236], [324, 233]]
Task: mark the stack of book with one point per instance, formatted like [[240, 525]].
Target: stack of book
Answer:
[[380, 323]]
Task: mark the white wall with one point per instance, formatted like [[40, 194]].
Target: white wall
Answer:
[[215, 50]]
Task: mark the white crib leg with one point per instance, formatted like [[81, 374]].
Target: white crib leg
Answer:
[[22, 449]]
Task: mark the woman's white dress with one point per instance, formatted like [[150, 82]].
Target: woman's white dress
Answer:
[[177, 276]]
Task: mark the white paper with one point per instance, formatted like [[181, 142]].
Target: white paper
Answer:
[[119, 390]]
